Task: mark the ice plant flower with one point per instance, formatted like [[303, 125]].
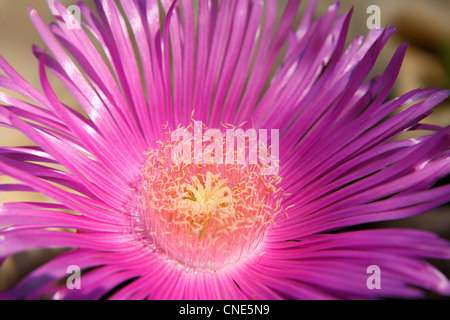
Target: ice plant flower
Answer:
[[140, 226]]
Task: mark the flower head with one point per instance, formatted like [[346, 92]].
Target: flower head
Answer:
[[153, 206]]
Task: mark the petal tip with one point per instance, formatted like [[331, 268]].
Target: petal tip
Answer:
[[31, 11]]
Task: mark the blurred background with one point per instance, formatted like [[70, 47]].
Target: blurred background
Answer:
[[424, 24]]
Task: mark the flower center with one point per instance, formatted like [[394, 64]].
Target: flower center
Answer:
[[205, 216]]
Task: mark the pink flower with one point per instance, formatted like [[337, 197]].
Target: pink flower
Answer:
[[140, 226]]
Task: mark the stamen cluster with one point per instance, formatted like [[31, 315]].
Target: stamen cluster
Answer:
[[205, 216]]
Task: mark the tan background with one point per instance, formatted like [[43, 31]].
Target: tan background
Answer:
[[423, 23]]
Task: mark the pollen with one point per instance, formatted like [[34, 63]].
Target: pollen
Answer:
[[205, 216]]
